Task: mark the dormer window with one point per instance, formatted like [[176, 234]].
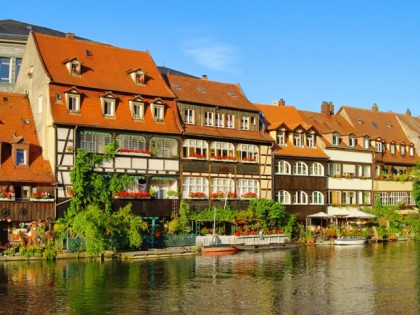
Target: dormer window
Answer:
[[335, 139], [310, 140], [74, 66], [402, 149], [73, 101], [158, 111], [366, 142], [411, 150], [189, 116], [378, 146], [138, 76], [352, 141], [137, 108], [230, 121], [245, 123], [282, 138], [297, 139], [21, 155], [108, 102], [392, 148]]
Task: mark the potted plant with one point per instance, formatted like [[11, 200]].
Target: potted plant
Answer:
[[172, 194]]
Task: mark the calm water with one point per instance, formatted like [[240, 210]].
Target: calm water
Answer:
[[371, 279]]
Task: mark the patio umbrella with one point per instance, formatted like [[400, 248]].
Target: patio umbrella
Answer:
[[359, 215]]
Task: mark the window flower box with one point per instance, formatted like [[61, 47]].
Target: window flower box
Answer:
[[225, 158], [7, 195], [197, 195], [249, 195], [132, 195], [222, 195], [249, 160], [196, 156], [135, 152], [41, 196]]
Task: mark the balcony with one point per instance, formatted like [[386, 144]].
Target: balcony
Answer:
[[26, 211]]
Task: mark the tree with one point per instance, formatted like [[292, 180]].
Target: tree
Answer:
[[416, 184], [271, 213]]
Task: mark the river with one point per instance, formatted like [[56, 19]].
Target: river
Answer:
[[370, 279]]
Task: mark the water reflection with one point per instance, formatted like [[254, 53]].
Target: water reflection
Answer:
[[371, 279]]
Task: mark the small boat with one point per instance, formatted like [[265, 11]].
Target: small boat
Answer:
[[350, 241], [218, 249]]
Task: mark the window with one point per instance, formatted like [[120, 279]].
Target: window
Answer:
[[245, 186], [297, 139], [284, 197], [335, 169], [158, 110], [208, 119], [402, 149], [189, 116], [334, 197], [366, 171], [349, 170], [18, 64], [75, 68], [230, 121], [352, 141], [138, 111], [392, 148], [164, 147], [283, 167], [310, 141], [131, 143], [300, 168], [253, 121], [382, 197], [301, 198], [366, 142], [317, 198], [282, 138], [108, 104], [248, 152], [222, 185], [140, 77], [195, 149], [245, 123], [194, 184], [399, 198], [335, 139], [5, 70], [411, 151], [219, 120], [378, 146], [348, 197], [26, 192], [20, 157], [138, 184], [222, 150], [365, 198], [94, 141], [317, 169]]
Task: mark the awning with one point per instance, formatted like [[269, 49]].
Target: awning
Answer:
[[321, 215], [163, 178], [360, 214]]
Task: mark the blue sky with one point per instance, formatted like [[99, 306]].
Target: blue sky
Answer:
[[352, 53]]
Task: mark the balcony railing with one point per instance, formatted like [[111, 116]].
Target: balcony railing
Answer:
[[26, 211]]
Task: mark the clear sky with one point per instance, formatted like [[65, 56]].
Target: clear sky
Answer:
[[348, 52]]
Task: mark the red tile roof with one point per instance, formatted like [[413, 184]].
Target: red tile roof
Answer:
[[107, 69], [16, 122], [203, 91], [91, 113], [328, 124]]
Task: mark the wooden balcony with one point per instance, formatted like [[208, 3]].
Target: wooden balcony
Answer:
[[148, 207], [26, 211]]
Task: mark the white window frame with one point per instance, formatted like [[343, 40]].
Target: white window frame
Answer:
[[297, 139], [24, 156], [254, 121], [284, 197], [230, 121], [392, 148], [247, 152], [352, 140], [164, 147], [194, 184], [402, 149], [300, 168], [245, 123], [366, 142], [192, 147], [378, 146], [411, 151], [224, 185], [348, 197], [73, 101], [244, 186], [281, 137], [209, 119], [398, 197], [284, 168], [383, 198], [94, 142], [219, 120], [189, 117], [310, 140], [335, 169], [7, 63], [300, 198], [335, 139], [317, 198], [158, 113], [132, 142], [218, 148], [317, 169]]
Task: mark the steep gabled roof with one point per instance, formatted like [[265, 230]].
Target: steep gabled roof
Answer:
[[206, 92], [328, 124], [376, 124], [17, 126], [104, 67]]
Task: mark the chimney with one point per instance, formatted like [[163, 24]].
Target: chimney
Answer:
[[408, 112], [70, 35], [204, 77], [281, 102], [375, 107], [327, 108]]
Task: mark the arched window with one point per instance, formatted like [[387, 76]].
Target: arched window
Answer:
[[94, 141], [283, 167], [164, 147], [248, 152], [300, 168], [284, 197], [130, 143], [247, 188], [317, 198], [317, 169], [195, 149], [301, 197], [195, 187], [222, 151]]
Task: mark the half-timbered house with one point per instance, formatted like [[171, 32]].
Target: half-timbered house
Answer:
[[299, 164], [27, 191], [226, 156], [86, 95]]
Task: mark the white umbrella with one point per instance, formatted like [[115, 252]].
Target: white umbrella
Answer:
[[359, 214]]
